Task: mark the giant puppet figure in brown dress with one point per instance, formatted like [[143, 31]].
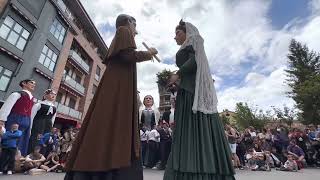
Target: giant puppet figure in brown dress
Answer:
[[107, 146]]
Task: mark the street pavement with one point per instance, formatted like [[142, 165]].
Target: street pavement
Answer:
[[306, 174]]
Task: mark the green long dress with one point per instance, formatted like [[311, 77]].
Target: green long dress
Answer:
[[200, 150]]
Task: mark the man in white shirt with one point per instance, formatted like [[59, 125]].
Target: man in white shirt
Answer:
[[17, 110], [144, 144], [153, 148]]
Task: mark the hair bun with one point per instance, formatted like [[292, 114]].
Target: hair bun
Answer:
[[182, 23]]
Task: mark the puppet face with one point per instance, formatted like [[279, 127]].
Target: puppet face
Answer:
[[51, 96], [132, 26], [180, 36], [30, 85], [148, 101]]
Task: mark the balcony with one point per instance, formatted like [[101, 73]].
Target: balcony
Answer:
[[64, 9], [73, 84], [79, 61], [68, 111], [165, 104]]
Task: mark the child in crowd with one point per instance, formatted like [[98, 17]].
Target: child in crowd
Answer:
[[9, 145], [289, 165]]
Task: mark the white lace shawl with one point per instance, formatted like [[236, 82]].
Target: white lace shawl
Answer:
[[205, 98]]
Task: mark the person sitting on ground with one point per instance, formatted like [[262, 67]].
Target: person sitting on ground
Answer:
[[52, 162], [261, 162], [269, 159], [251, 158], [297, 153], [34, 160], [289, 165]]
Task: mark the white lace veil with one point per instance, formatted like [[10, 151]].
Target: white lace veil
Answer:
[[205, 98]]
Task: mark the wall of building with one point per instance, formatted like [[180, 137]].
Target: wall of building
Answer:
[[40, 16], [3, 4]]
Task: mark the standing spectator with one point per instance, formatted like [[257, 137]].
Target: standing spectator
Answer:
[[9, 148], [241, 150], [165, 144], [153, 146], [173, 106], [265, 145], [263, 134], [269, 135], [284, 139], [144, 144], [166, 115], [2, 131], [248, 140], [17, 110], [297, 153], [252, 132], [314, 139], [68, 138], [49, 141], [232, 136], [277, 141]]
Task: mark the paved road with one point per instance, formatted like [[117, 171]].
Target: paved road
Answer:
[[306, 174]]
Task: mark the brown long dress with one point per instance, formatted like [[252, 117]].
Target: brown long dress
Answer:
[[107, 146]]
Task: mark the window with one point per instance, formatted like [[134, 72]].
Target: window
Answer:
[[48, 58], [98, 72], [5, 76], [14, 33], [72, 103], [94, 89], [167, 98], [66, 71], [78, 79], [57, 30]]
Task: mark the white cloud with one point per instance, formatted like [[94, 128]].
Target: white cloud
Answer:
[[261, 90], [235, 33]]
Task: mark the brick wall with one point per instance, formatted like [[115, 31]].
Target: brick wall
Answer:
[[63, 57]]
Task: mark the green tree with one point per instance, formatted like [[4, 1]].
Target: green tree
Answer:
[[224, 119], [163, 77], [286, 115], [304, 80], [246, 117]]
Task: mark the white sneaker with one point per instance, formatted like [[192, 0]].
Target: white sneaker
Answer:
[[9, 172], [1, 173]]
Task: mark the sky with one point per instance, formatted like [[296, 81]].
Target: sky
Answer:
[[246, 41]]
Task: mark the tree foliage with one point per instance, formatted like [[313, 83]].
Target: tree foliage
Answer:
[[163, 77], [245, 116], [304, 80]]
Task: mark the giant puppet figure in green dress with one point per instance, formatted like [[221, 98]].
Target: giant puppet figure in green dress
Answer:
[[200, 150]]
